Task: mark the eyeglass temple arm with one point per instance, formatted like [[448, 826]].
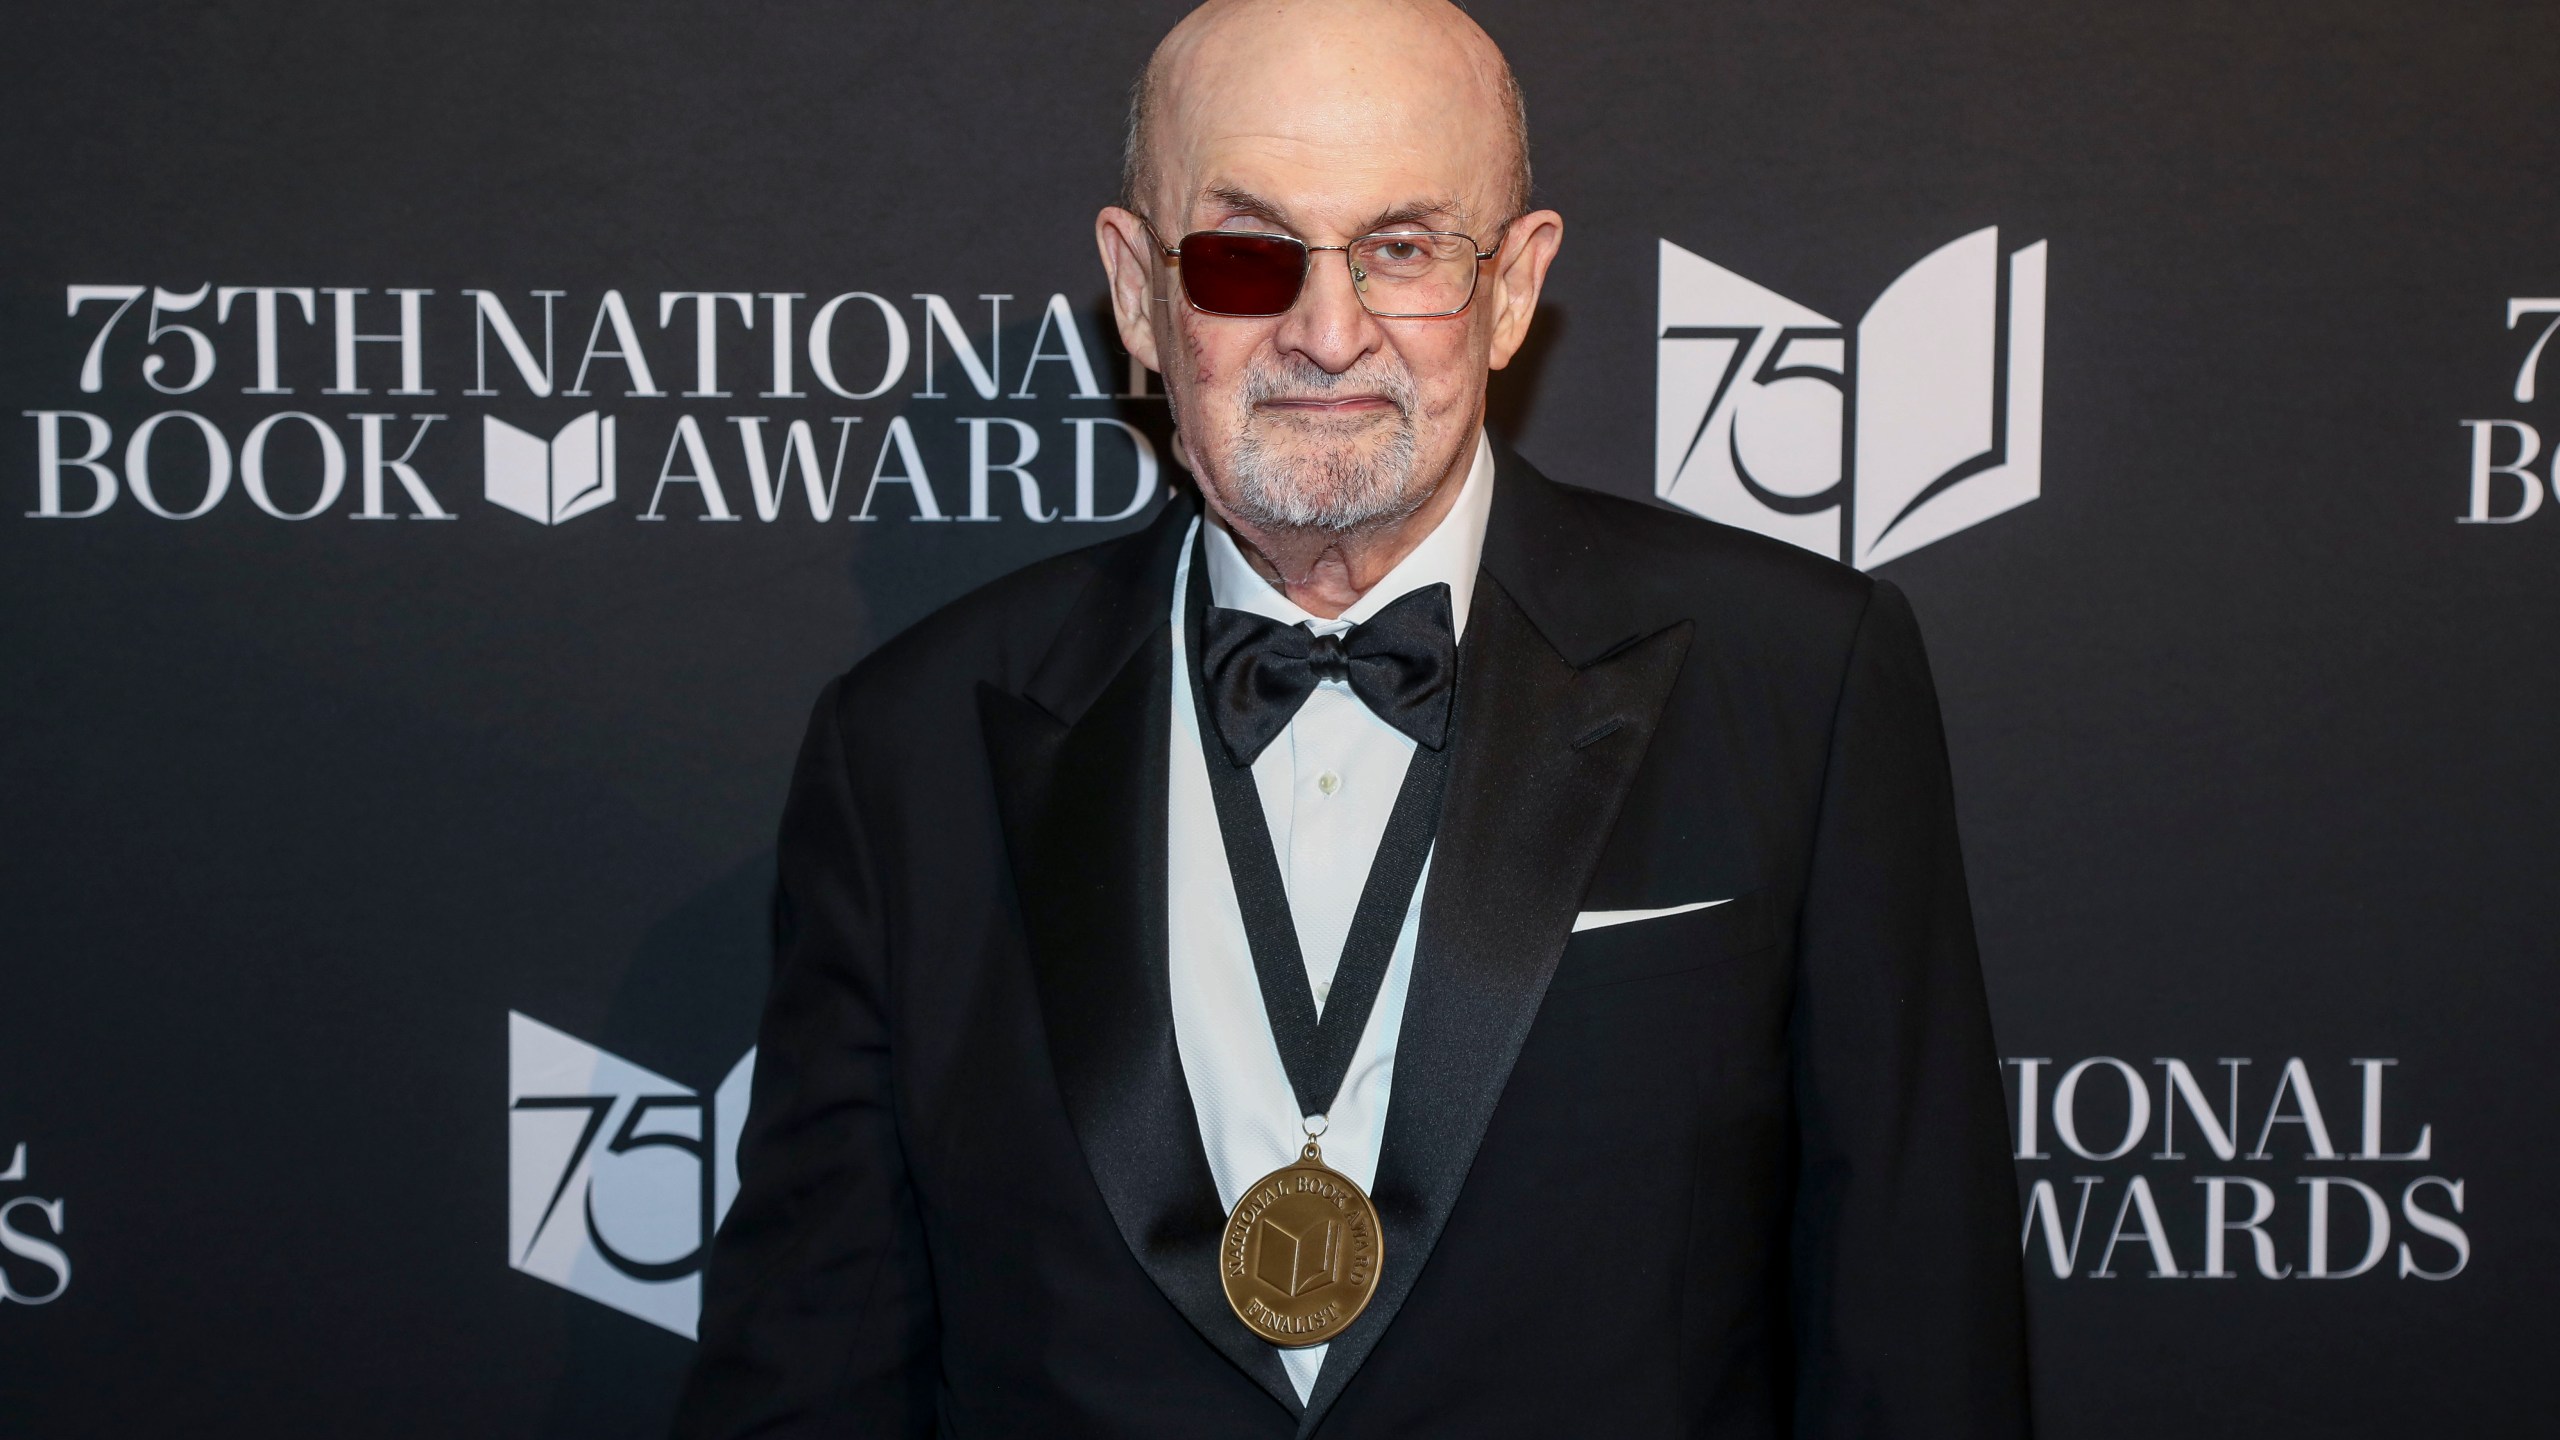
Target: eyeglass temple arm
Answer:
[[1173, 250]]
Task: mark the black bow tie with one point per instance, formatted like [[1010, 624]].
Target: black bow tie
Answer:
[[1402, 663]]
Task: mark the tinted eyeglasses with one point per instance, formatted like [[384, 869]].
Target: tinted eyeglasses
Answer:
[[1398, 274]]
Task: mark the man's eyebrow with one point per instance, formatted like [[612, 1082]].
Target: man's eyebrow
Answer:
[[1439, 212], [1238, 200]]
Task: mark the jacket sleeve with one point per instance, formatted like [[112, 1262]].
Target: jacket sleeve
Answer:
[[1907, 1299], [817, 1314]]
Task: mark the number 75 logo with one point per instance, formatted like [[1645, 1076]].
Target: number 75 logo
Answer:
[[1861, 442], [616, 1176]]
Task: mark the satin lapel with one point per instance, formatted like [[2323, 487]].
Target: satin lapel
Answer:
[[1546, 750], [1083, 803]]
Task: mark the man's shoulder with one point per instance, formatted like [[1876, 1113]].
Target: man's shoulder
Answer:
[[1736, 583], [997, 633]]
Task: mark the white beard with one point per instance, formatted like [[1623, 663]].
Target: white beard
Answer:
[[1310, 485]]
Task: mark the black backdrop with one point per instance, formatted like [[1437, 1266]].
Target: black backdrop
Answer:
[[2253, 733]]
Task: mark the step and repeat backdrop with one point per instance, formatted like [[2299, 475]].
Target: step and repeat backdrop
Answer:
[[447, 447]]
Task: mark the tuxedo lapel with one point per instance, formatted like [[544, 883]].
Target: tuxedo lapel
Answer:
[[1080, 764], [1561, 683]]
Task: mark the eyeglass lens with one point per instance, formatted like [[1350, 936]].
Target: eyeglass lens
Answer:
[[1242, 274], [1261, 275]]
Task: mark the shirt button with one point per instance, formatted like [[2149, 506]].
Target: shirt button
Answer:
[[1328, 782]]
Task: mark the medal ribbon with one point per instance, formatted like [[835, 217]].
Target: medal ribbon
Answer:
[[1315, 1049]]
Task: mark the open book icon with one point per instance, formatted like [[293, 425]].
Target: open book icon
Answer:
[[561, 480], [1861, 444]]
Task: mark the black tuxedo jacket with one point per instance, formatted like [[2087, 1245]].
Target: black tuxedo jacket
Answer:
[[1736, 1172]]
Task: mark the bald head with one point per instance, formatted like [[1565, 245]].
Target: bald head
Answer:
[[1330, 426], [1324, 74]]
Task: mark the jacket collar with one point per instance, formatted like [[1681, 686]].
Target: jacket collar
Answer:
[[1079, 760], [1561, 564]]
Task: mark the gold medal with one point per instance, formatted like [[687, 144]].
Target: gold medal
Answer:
[[1301, 1252]]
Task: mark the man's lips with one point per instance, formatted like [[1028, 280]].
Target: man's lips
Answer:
[[1332, 405]]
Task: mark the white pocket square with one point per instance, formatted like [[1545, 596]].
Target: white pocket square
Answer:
[[1599, 919]]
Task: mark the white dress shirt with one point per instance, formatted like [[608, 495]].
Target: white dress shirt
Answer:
[[1328, 784]]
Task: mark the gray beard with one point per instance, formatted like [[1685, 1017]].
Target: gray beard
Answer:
[[1334, 491]]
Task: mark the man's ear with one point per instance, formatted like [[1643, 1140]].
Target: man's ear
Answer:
[[1129, 258], [1519, 273]]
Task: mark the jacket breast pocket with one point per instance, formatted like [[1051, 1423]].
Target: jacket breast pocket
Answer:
[[1665, 945]]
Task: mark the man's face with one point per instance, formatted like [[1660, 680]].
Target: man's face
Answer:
[[1326, 417]]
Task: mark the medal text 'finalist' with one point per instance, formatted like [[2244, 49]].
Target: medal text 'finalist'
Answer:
[[1300, 1254]]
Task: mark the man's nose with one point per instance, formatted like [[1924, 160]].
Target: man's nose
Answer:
[[1328, 325]]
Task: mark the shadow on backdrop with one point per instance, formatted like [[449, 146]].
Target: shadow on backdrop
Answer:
[[686, 1008]]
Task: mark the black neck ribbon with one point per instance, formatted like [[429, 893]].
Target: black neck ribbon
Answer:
[[1315, 1049]]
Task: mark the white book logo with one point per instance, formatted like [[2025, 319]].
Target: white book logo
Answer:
[[1863, 445], [616, 1176], [562, 480]]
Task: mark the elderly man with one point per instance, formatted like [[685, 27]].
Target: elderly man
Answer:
[[1396, 947]]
